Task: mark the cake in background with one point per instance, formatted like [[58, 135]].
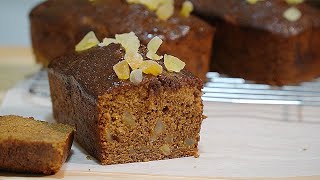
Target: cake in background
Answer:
[[58, 25], [314, 2], [268, 41]]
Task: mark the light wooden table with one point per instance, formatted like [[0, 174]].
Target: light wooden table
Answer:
[[15, 64], [18, 63]]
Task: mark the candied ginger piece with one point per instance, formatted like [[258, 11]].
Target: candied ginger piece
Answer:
[[122, 70], [134, 60], [153, 47], [107, 41], [151, 4], [158, 129], [129, 41], [292, 14], [133, 1], [187, 8], [128, 119], [165, 149], [136, 76], [253, 1], [173, 63], [154, 44], [154, 56], [189, 142], [166, 1], [165, 10], [151, 67], [89, 40], [294, 2]]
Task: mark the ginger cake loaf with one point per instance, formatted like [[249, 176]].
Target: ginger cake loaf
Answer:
[[271, 41], [125, 106], [58, 25], [32, 146]]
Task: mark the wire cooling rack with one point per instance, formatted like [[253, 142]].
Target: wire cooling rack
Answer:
[[40, 84], [221, 88]]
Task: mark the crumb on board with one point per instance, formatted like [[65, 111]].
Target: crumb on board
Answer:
[[89, 157]]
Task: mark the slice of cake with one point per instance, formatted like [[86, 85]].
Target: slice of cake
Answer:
[[28, 145], [57, 26], [125, 106]]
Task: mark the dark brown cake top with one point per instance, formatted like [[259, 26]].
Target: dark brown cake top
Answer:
[[118, 17], [93, 70], [314, 2], [265, 15]]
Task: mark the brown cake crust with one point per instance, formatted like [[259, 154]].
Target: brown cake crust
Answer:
[[24, 150], [57, 26], [315, 3], [87, 93], [257, 43]]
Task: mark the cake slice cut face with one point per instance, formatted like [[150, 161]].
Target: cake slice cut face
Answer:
[[119, 121]]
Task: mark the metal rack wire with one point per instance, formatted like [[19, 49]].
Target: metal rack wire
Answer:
[[40, 84], [220, 88], [235, 90]]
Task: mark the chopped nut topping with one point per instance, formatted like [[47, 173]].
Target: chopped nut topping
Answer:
[[90, 40], [165, 149], [128, 119], [253, 1], [294, 2], [187, 8], [136, 76], [151, 67], [153, 47], [173, 63], [122, 70], [292, 14], [107, 41]]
